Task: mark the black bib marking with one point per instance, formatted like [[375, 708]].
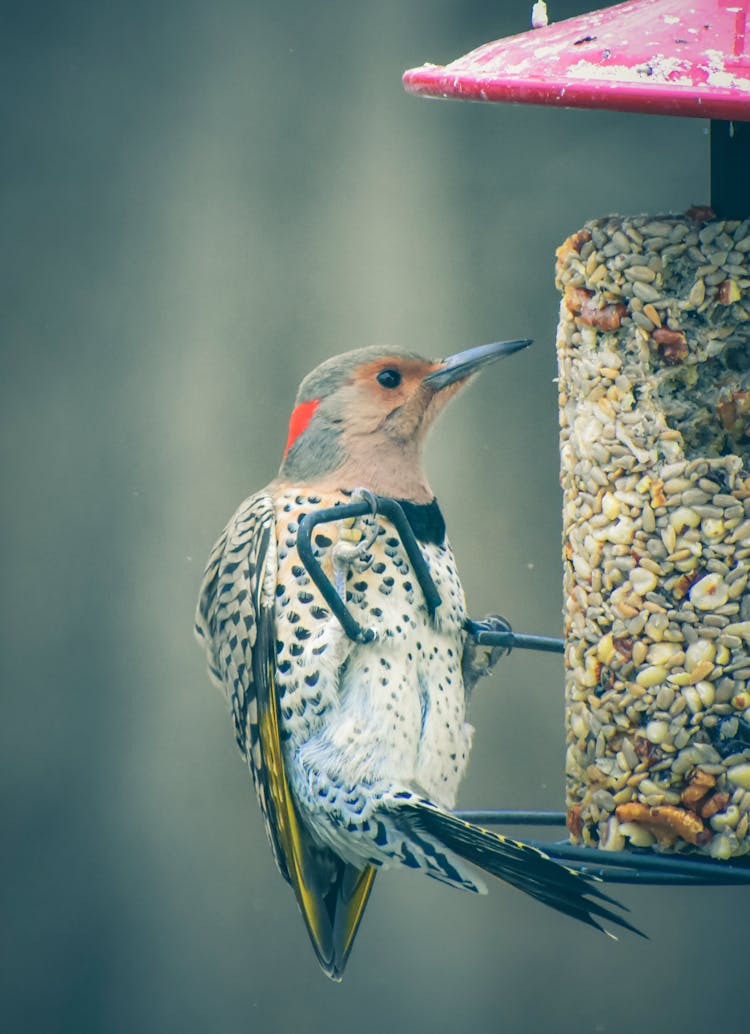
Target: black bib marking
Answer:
[[426, 520]]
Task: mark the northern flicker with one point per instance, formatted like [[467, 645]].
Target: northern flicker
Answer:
[[357, 749]]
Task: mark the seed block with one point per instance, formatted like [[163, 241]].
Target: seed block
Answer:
[[654, 362]]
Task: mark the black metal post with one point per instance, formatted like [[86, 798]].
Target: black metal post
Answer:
[[730, 169]]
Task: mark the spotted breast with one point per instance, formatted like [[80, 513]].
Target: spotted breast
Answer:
[[359, 720]]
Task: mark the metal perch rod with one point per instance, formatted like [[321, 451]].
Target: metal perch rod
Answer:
[[617, 866]]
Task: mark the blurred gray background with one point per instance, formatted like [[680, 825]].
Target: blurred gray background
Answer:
[[200, 202]]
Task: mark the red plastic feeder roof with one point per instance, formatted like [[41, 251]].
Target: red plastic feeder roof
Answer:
[[671, 57]]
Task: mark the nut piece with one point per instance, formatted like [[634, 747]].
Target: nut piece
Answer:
[[672, 344], [701, 213], [582, 303], [727, 411], [667, 822], [734, 412], [697, 788], [573, 243], [716, 802], [646, 750], [623, 648], [574, 822], [729, 291]]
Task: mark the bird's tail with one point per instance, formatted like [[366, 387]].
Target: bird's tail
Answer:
[[515, 862]]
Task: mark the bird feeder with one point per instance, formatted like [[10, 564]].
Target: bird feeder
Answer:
[[654, 359], [655, 57]]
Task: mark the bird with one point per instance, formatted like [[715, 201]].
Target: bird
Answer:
[[357, 749]]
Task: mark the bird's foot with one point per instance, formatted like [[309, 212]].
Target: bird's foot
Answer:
[[491, 623], [354, 544], [479, 659]]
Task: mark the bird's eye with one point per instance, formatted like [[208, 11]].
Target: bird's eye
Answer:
[[389, 378]]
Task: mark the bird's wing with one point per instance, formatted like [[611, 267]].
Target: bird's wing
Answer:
[[235, 621]]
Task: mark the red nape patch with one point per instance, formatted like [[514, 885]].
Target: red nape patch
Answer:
[[298, 421]]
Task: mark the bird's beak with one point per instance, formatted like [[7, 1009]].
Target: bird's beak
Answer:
[[462, 364]]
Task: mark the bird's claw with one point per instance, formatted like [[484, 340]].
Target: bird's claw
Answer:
[[346, 553], [479, 659], [491, 623], [369, 498]]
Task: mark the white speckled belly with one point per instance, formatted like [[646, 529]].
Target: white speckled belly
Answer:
[[362, 719]]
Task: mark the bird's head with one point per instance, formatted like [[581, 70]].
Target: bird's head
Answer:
[[360, 419]]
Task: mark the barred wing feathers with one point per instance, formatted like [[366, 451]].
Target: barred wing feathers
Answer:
[[235, 622]]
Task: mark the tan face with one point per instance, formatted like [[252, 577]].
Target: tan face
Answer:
[[388, 397]]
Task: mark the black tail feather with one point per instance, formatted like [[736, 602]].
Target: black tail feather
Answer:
[[332, 903], [519, 864]]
